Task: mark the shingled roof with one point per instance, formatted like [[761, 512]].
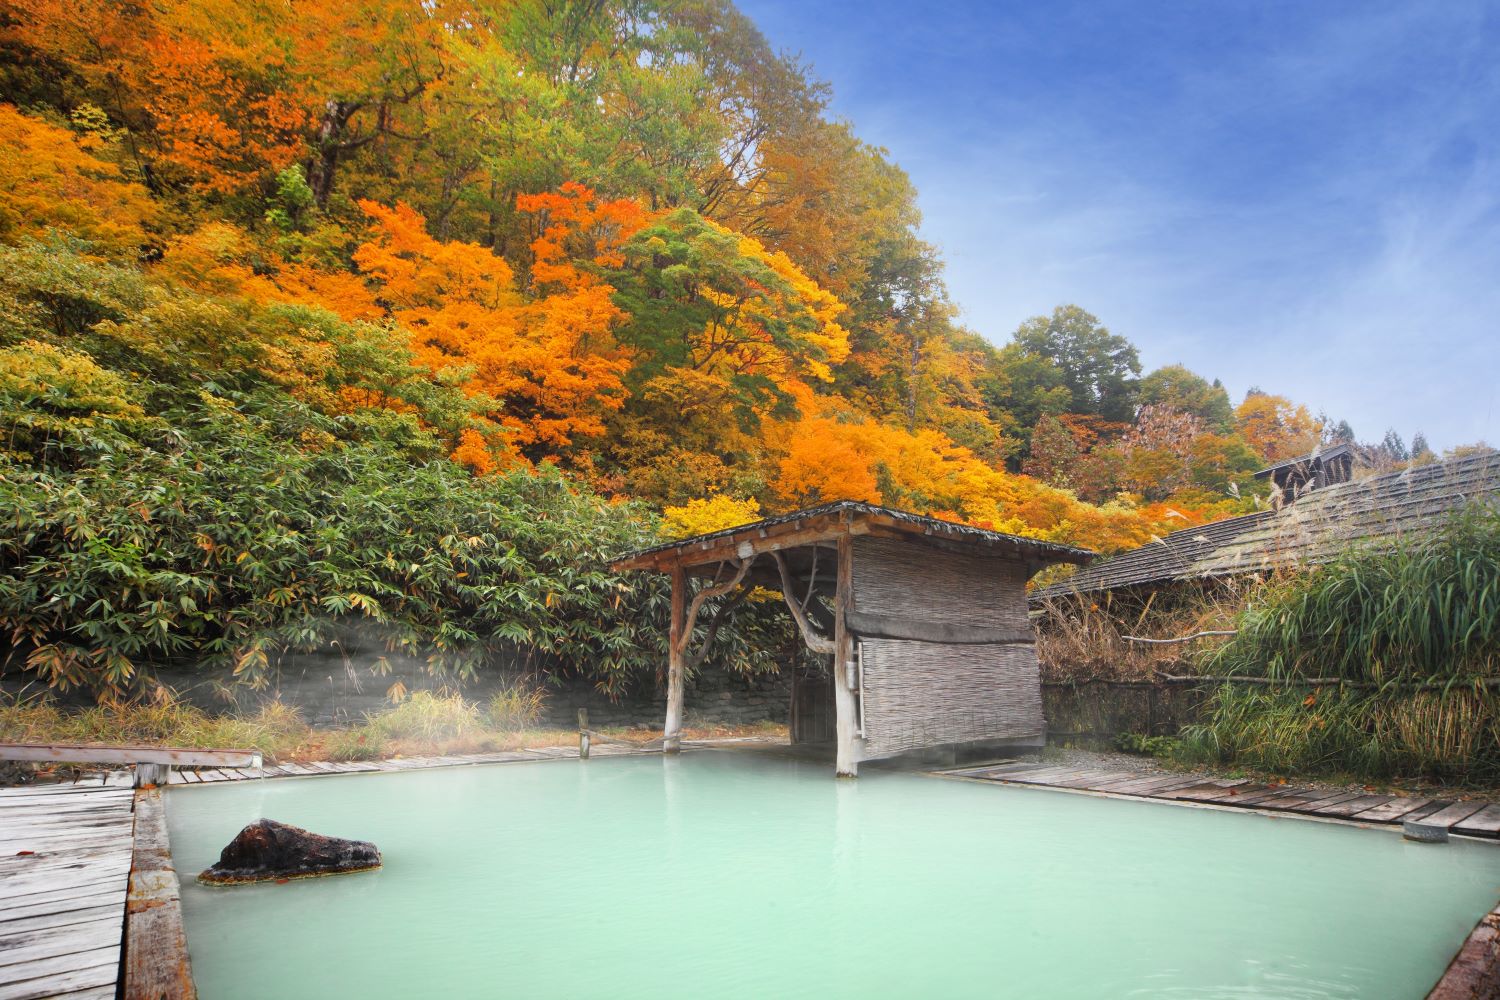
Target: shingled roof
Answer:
[[1314, 529]]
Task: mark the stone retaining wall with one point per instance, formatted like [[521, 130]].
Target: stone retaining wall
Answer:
[[331, 691], [1474, 973], [1102, 710]]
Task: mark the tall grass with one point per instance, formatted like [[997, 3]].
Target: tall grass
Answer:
[[275, 729], [1082, 636], [1410, 630], [429, 718], [516, 706], [1422, 608]]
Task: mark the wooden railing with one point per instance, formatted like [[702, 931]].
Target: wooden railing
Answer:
[[152, 764]]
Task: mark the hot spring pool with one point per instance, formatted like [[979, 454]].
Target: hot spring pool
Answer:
[[729, 875]]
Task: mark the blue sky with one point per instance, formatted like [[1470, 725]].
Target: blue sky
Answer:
[[1300, 196]]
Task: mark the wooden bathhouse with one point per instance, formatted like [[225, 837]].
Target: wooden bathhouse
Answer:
[[925, 622]]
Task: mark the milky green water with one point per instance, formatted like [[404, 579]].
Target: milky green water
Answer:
[[727, 875]]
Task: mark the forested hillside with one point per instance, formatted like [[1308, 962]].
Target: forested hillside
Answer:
[[410, 313]]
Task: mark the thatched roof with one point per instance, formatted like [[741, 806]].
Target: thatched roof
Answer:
[[828, 520], [1315, 528]]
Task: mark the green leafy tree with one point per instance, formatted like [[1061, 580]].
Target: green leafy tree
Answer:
[[1177, 388], [1100, 370]]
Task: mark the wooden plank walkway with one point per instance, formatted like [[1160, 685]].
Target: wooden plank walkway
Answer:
[[203, 776], [65, 853], [1469, 817]]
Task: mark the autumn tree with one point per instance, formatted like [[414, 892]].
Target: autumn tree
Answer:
[[1177, 388], [1275, 427], [56, 179], [550, 358], [717, 307], [1053, 456]]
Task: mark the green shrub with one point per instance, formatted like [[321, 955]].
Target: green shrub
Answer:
[[1411, 630], [1147, 746]]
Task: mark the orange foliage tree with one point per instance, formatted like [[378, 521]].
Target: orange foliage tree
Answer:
[[54, 179], [837, 454], [550, 358]]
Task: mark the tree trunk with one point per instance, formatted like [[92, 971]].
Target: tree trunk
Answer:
[[676, 664], [325, 160], [846, 708]]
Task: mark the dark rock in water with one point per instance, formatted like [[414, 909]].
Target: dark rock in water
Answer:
[[267, 850]]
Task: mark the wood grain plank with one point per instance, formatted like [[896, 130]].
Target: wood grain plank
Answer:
[[156, 955], [1344, 810], [1205, 787], [1083, 778], [1149, 788], [1038, 776], [1232, 796], [1453, 814], [1484, 823], [1391, 811], [78, 915], [93, 993], [41, 977], [94, 753], [27, 947], [64, 900], [1298, 799]]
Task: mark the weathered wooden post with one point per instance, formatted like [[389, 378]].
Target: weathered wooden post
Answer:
[[151, 774], [846, 714], [672, 732], [583, 733]]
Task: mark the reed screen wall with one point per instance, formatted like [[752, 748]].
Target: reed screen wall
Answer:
[[920, 694]]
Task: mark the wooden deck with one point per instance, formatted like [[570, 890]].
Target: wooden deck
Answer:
[[197, 776], [1471, 818], [65, 853]]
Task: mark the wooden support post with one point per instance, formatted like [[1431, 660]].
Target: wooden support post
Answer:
[[583, 733], [156, 956], [846, 712], [151, 774], [676, 662]]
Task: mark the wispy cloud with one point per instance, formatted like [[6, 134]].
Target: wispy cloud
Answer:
[[1301, 197]]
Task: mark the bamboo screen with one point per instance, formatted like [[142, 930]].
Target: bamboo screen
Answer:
[[924, 694], [918, 694]]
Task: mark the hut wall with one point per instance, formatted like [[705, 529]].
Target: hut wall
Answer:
[[911, 580], [920, 694]]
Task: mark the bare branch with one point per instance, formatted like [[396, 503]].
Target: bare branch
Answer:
[[812, 579], [815, 642], [720, 616], [715, 590]]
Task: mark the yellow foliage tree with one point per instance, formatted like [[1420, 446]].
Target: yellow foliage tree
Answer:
[[54, 179], [1276, 427], [707, 514]]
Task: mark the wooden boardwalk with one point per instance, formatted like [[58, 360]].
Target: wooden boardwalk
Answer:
[[65, 853], [1467, 817], [185, 776]]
